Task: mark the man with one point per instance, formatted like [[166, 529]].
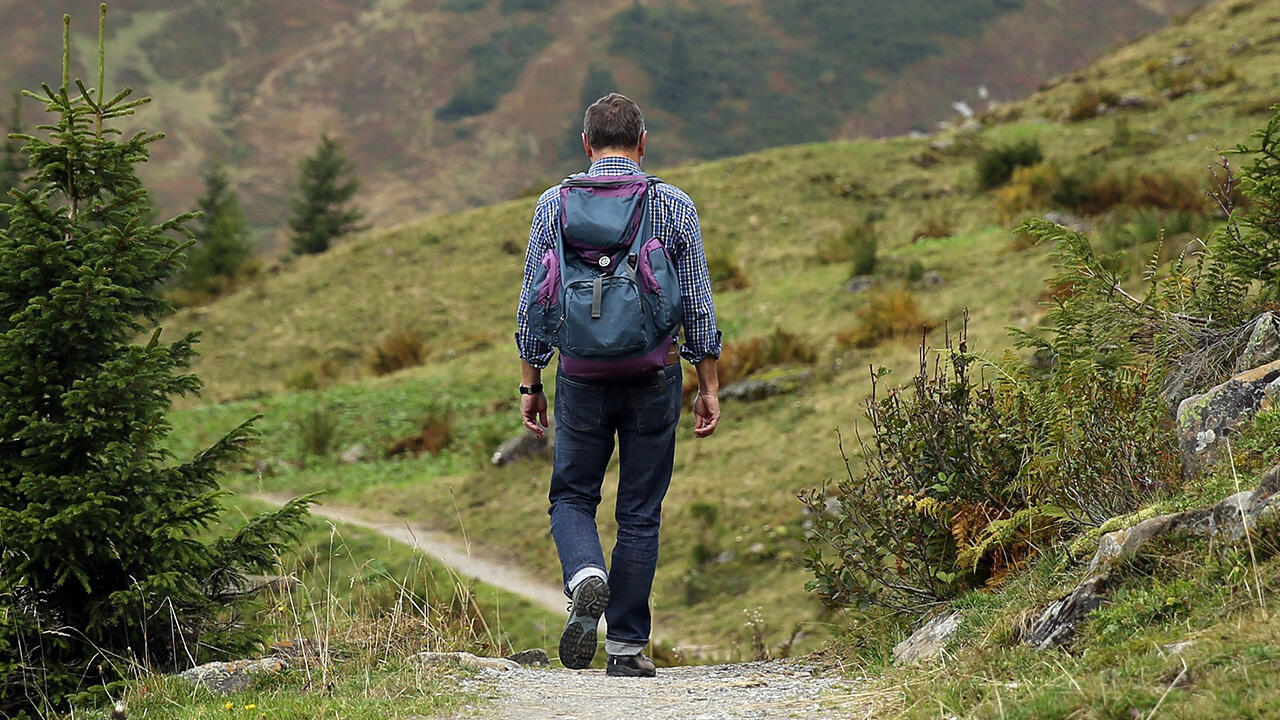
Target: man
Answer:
[[641, 411]]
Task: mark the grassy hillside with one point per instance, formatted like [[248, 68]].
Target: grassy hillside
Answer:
[[447, 104], [775, 224]]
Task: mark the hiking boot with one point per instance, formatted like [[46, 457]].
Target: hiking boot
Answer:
[[578, 641], [631, 666]]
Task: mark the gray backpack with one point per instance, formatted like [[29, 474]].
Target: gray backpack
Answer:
[[607, 294]]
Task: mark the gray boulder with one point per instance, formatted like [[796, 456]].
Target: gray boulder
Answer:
[[224, 678], [861, 283], [1264, 343], [766, 384], [929, 641], [357, 453], [1205, 420], [524, 446], [1132, 101]]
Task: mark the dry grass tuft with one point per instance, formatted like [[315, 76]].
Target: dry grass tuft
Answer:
[[888, 315], [397, 351]]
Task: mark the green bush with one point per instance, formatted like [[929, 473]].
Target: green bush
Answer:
[[995, 166]]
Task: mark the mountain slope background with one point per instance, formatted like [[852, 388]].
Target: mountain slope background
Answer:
[[454, 103], [733, 530]]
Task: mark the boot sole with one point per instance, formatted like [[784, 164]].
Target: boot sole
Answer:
[[578, 641], [628, 672]]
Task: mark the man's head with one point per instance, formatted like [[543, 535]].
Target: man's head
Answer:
[[614, 125]]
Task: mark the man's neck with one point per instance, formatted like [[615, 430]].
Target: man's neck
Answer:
[[623, 154]]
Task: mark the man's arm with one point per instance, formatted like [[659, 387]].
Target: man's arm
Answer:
[[702, 336], [534, 355], [706, 407], [533, 408]]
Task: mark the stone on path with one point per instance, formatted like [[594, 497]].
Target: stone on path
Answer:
[[535, 657]]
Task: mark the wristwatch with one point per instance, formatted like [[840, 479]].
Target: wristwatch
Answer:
[[533, 389]]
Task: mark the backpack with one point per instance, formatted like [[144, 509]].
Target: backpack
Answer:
[[607, 294]]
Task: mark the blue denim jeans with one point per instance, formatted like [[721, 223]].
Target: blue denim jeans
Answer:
[[642, 413]]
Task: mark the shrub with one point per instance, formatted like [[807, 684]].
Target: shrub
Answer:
[[887, 315], [741, 359], [932, 472], [318, 431], [1029, 188], [726, 273], [1088, 103], [996, 166], [935, 224], [856, 243], [397, 351], [436, 434]]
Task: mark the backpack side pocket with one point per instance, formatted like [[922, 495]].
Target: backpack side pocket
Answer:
[[545, 312], [657, 276]]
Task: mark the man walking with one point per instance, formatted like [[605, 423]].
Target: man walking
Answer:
[[638, 404]]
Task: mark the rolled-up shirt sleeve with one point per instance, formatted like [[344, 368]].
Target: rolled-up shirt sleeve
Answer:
[[531, 350], [701, 334]]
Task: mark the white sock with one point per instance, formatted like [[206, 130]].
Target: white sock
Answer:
[[583, 574], [613, 647]]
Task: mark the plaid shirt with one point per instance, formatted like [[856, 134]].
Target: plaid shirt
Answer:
[[675, 222]]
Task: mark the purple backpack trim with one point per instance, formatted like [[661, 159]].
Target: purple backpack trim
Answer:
[[549, 290], [645, 265], [628, 367]]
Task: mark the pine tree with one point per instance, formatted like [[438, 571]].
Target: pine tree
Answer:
[[109, 550], [321, 209], [12, 163], [221, 234]]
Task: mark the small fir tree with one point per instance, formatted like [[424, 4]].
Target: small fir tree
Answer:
[[322, 212], [221, 234], [108, 555], [12, 163]]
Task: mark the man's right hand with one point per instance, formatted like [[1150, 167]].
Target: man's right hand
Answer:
[[533, 409], [706, 414]]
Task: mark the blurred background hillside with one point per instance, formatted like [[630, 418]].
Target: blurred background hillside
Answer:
[[446, 104]]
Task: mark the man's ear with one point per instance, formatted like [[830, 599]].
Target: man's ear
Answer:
[[644, 137], [586, 147]]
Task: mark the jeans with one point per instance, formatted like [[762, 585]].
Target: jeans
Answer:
[[642, 413]]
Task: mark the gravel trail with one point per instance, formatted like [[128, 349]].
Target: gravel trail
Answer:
[[743, 691]]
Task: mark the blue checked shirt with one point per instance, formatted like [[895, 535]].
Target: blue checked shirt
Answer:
[[675, 222]]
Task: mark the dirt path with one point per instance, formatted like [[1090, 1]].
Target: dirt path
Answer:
[[755, 691], [448, 550]]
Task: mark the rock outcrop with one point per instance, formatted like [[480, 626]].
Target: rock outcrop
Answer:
[[1205, 420], [1227, 521]]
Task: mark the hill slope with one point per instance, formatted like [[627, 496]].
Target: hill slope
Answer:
[[774, 215], [454, 103]]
